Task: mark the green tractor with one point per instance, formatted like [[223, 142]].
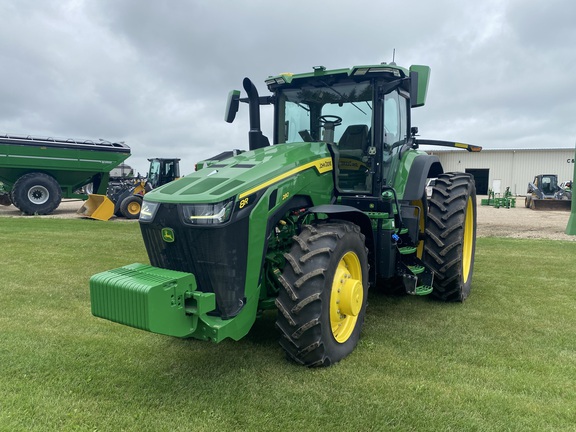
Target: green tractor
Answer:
[[304, 226]]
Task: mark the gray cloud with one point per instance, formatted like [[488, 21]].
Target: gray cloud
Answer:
[[156, 74]]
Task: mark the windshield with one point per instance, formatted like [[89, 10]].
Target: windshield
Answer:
[[305, 112], [154, 172], [339, 114]]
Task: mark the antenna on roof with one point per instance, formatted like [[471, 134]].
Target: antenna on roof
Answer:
[[393, 57]]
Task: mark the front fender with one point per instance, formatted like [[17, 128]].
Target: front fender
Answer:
[[357, 217]]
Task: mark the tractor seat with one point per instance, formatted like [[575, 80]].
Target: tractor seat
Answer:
[[352, 170], [354, 141]]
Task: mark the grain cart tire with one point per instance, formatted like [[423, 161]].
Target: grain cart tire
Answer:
[[451, 236], [130, 207], [36, 193], [323, 300]]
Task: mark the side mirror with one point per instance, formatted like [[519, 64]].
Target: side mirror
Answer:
[[232, 106], [419, 78]]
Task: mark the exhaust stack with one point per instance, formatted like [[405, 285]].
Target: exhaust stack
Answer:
[[256, 139]]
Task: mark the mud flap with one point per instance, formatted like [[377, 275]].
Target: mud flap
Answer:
[[98, 207], [5, 199]]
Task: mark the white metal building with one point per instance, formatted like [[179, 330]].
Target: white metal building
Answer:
[[498, 169]]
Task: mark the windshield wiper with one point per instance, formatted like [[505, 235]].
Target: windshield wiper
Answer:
[[342, 96]]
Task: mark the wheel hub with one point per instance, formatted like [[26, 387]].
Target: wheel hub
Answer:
[[347, 297], [468, 242], [351, 297], [134, 208], [38, 194]]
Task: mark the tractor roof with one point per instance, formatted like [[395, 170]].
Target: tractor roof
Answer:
[[391, 70]]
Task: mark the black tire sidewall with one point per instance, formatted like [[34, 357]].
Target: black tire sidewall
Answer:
[[23, 186], [449, 204]]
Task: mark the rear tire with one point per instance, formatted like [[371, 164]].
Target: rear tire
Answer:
[[325, 287], [36, 193], [451, 236], [131, 206]]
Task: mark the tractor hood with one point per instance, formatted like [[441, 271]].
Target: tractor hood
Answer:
[[245, 174]]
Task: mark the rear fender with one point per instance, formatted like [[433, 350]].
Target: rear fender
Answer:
[[422, 168]]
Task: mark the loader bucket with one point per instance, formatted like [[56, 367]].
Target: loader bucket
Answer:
[[550, 204], [97, 207]]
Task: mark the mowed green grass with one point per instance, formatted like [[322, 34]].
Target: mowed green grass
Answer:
[[503, 360]]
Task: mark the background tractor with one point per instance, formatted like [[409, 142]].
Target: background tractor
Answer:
[[124, 196], [304, 226]]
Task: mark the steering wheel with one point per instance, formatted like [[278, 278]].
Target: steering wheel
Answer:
[[337, 121]]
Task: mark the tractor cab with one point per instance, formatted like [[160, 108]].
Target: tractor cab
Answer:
[[162, 171], [362, 114], [341, 115]]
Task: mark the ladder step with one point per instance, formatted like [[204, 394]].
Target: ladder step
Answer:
[[417, 269], [423, 290], [406, 250], [403, 231]]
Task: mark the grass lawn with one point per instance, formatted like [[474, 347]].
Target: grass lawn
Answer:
[[503, 360]]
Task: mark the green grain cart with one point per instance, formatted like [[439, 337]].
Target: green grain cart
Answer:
[[336, 204], [38, 172]]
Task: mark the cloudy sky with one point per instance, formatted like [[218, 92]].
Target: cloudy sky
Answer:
[[156, 74]]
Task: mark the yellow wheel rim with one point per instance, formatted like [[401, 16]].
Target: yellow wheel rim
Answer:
[[347, 297], [134, 208], [468, 241]]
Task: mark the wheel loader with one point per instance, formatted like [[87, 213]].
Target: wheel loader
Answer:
[[124, 197], [304, 222]]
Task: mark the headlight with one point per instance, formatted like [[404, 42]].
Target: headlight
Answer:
[[148, 211], [207, 214]]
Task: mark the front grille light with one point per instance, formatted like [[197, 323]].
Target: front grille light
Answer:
[[148, 211], [208, 214]]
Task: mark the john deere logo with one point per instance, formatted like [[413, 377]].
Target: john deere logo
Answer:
[[168, 235]]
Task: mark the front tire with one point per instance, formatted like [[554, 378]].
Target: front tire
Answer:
[[451, 236], [130, 207], [325, 286], [36, 193]]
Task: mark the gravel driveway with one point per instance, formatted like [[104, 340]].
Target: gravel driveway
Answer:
[[518, 222]]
